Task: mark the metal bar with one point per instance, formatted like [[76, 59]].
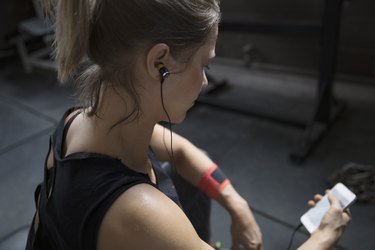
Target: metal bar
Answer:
[[281, 28], [328, 59]]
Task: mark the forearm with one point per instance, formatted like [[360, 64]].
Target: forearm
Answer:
[[319, 240], [231, 201], [191, 163], [197, 168]]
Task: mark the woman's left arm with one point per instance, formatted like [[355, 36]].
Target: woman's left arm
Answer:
[[192, 163]]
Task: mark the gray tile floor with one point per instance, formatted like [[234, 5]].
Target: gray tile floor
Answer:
[[253, 152]]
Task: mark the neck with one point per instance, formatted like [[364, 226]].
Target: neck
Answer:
[[128, 140]]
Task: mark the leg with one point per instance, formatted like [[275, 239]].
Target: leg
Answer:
[[196, 205]]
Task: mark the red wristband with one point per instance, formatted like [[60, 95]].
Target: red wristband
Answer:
[[213, 182]]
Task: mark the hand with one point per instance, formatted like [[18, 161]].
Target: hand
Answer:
[[334, 221], [245, 230]]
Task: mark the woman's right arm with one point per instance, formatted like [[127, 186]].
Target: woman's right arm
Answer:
[[144, 218], [331, 228]]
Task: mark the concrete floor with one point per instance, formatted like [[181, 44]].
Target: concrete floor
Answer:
[[253, 152]]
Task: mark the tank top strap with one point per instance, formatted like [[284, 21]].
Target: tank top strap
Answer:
[[50, 173], [69, 123]]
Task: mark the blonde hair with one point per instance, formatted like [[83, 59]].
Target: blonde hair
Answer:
[[112, 33]]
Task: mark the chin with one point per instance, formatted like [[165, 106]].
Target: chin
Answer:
[[175, 119], [180, 120], [179, 117]]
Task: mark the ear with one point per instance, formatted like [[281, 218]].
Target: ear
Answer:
[[159, 53]]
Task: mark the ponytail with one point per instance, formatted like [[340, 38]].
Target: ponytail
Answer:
[[114, 34], [72, 27]]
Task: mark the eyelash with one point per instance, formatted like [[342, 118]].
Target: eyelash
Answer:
[[206, 67]]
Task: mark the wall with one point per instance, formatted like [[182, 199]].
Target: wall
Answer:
[[356, 49], [356, 54], [11, 13]]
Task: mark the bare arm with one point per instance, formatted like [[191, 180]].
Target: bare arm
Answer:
[[191, 163], [144, 218]]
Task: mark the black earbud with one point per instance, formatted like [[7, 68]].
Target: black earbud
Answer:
[[164, 72]]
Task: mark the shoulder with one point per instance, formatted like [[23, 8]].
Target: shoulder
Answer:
[[144, 218]]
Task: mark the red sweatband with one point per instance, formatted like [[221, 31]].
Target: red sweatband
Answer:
[[213, 182]]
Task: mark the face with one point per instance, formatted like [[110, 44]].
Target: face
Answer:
[[182, 88]]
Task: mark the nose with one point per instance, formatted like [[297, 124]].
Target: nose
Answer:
[[205, 80]]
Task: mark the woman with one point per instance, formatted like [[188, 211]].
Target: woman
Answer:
[[103, 188]]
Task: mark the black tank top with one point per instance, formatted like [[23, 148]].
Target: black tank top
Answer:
[[82, 187]]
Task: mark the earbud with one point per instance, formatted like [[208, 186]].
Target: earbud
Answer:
[[164, 72]]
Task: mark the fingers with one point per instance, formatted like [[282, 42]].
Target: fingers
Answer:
[[346, 210], [311, 203], [344, 214], [252, 246], [347, 217], [333, 200], [247, 246], [317, 197]]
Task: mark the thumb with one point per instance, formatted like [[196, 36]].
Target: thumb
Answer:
[[333, 200]]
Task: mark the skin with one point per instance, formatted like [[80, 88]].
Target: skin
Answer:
[[331, 228], [143, 217]]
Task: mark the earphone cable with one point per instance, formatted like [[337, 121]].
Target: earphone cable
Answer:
[[170, 154], [293, 234]]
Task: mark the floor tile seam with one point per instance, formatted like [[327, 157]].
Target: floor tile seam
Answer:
[[30, 109], [26, 140], [13, 232], [286, 224], [257, 117], [273, 218]]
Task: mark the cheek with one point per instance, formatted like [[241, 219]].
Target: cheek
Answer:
[[192, 82]]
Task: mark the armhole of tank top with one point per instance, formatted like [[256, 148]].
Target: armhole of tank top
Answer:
[[49, 169], [49, 163], [68, 122], [154, 164]]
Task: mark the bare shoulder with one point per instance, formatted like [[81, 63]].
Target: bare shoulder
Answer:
[[144, 218]]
